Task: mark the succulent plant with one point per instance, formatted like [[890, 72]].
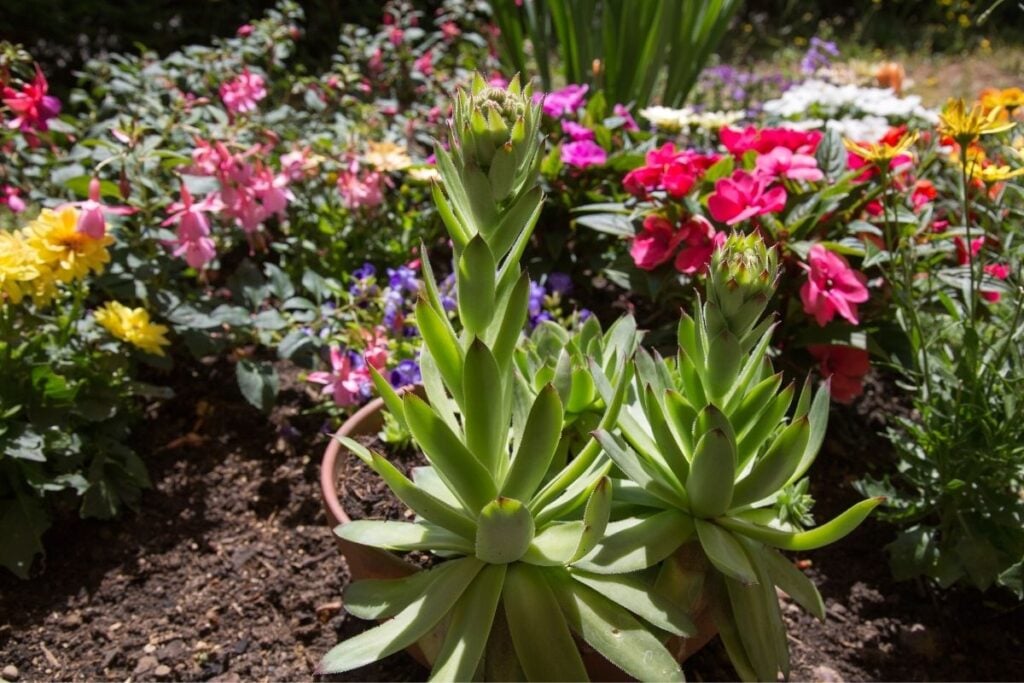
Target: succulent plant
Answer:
[[504, 528], [707, 448]]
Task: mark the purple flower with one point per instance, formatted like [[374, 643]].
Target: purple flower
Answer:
[[403, 279], [623, 113], [819, 55], [393, 301], [564, 101], [536, 299], [364, 271], [583, 153], [559, 282], [585, 314], [576, 131], [406, 372], [446, 290]]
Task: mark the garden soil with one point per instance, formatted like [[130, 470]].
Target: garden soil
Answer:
[[228, 571]]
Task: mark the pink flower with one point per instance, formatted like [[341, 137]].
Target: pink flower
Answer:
[[655, 244], [376, 354], [576, 131], [668, 169], [699, 240], [846, 366], [564, 101], [31, 106], [193, 239], [450, 30], [923, 192], [244, 31], [425, 63], [623, 113], [10, 196], [744, 196], [344, 382], [1000, 271], [242, 93], [360, 190], [961, 249], [832, 287], [783, 162], [583, 153], [92, 220], [297, 163], [764, 140], [396, 35]]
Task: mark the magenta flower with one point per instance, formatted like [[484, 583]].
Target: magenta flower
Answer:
[[832, 287], [623, 113], [783, 162], [10, 196], [31, 106], [242, 93], [744, 196], [193, 239], [655, 244], [344, 382], [560, 102], [999, 271], [699, 240], [583, 153], [576, 131], [360, 191]]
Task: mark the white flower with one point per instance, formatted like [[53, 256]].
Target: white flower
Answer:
[[670, 119], [847, 101]]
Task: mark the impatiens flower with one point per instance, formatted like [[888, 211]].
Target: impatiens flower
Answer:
[[583, 153], [962, 257], [846, 366], [561, 102], [193, 241], [133, 326], [698, 240], [346, 380], [9, 197], [360, 190], [744, 196], [783, 162], [922, 193], [668, 169], [242, 93], [832, 287], [655, 244], [764, 140], [31, 106], [1000, 271], [576, 131]]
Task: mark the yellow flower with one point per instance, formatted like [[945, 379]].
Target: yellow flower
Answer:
[[17, 266], [966, 126], [133, 326], [881, 153], [387, 156], [993, 173], [59, 247]]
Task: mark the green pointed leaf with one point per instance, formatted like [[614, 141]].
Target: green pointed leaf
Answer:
[[794, 582], [642, 471], [384, 598], [637, 543], [668, 446], [504, 531], [486, 424], [512, 323], [428, 507], [444, 347], [629, 591], [402, 536], [540, 635], [681, 417], [754, 403], [537, 446], [725, 552], [811, 539], [750, 442], [456, 230], [595, 518], [465, 476], [818, 416], [772, 470], [411, 624], [470, 627], [502, 173], [555, 545], [710, 485], [476, 286], [391, 398]]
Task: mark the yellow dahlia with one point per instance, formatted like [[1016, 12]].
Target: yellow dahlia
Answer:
[[133, 326], [17, 266], [993, 173], [966, 126], [881, 153], [62, 249]]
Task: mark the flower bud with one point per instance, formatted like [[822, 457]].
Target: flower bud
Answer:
[[744, 272]]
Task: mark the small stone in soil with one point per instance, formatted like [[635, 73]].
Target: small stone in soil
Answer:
[[826, 674], [145, 665], [10, 673], [920, 641], [162, 671]]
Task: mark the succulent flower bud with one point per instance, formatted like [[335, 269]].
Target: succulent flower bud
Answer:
[[744, 272]]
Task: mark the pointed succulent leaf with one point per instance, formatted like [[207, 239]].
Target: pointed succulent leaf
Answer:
[[629, 591], [407, 627], [818, 416], [811, 539], [512, 322], [681, 418], [536, 446], [755, 628], [540, 635], [392, 535], [443, 346], [665, 437], [470, 627], [729, 631], [638, 542], [555, 544], [642, 471], [384, 598], [723, 365], [433, 387], [712, 474], [428, 507], [485, 424], [502, 174], [392, 400], [456, 230], [504, 530], [475, 282], [725, 552], [794, 582], [755, 402], [595, 518], [753, 438], [772, 470]]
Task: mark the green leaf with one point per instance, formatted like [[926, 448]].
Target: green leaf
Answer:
[[710, 485], [804, 540], [392, 535], [642, 471], [772, 470], [384, 598], [443, 346], [638, 542], [818, 416], [23, 520], [631, 592], [540, 635], [504, 531], [794, 582], [555, 544], [486, 424], [408, 626], [428, 507], [470, 627], [476, 286], [614, 632], [725, 552], [465, 476], [524, 212], [512, 323], [537, 446], [258, 383], [595, 518], [391, 398]]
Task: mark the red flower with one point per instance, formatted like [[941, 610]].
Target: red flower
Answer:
[[961, 249], [668, 169], [846, 366], [923, 192], [744, 196], [655, 244], [1000, 271], [832, 287], [764, 140], [699, 240]]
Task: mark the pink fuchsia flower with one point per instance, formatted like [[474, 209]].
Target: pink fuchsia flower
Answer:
[[193, 239], [655, 244], [845, 366], [376, 354], [699, 239], [764, 140], [344, 382], [576, 131], [744, 196], [583, 153], [10, 197], [242, 93], [999, 271], [623, 113], [31, 106], [832, 287], [92, 220], [561, 102], [360, 190], [783, 162]]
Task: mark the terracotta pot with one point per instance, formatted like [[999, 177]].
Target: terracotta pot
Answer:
[[365, 562]]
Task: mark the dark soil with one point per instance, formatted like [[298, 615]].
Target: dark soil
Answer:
[[229, 571]]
